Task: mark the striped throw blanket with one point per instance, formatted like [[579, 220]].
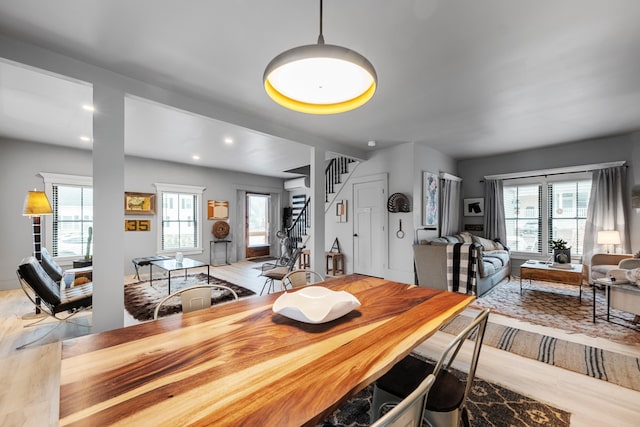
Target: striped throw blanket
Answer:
[[461, 267]]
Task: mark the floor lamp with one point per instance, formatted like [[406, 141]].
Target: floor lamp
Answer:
[[36, 204]]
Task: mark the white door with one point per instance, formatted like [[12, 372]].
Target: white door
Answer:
[[368, 228]]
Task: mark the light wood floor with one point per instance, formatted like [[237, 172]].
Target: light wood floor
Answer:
[[30, 378]]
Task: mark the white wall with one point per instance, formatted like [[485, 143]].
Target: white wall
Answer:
[[623, 147], [20, 162]]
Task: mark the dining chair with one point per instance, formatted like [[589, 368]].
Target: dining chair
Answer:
[[410, 411], [299, 278], [193, 298], [446, 401], [274, 271]]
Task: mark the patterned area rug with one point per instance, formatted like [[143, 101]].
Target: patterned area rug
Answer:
[[556, 305], [141, 299], [489, 405], [595, 362]]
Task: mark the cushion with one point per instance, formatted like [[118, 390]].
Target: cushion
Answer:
[[487, 245], [466, 237], [276, 273], [50, 266], [501, 254], [42, 284], [601, 271]]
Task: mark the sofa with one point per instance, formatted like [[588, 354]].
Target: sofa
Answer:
[[493, 263]]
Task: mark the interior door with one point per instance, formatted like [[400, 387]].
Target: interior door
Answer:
[[368, 228], [257, 225]]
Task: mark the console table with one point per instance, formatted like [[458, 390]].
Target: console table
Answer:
[[212, 250]]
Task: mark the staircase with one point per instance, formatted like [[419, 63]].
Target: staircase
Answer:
[[336, 174]]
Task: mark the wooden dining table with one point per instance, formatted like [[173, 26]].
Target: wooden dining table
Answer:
[[241, 364]]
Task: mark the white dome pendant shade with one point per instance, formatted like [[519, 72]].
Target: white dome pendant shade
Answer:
[[320, 78]]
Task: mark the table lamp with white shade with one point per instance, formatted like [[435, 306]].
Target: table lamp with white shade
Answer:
[[36, 204], [608, 237]]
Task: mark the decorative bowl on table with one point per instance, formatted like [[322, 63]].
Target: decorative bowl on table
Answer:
[[315, 304]]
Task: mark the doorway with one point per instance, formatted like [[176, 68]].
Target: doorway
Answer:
[[368, 229], [257, 224]]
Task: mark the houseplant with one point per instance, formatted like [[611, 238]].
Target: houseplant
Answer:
[[561, 252]]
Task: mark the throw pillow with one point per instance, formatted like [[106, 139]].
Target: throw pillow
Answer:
[[487, 245]]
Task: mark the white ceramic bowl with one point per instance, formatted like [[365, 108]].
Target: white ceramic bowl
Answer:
[[315, 304]]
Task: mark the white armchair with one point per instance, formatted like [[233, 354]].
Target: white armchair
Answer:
[[602, 264]]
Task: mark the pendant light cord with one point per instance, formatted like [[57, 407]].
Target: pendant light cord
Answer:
[[320, 37]]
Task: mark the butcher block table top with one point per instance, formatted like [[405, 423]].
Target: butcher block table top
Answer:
[[241, 364]]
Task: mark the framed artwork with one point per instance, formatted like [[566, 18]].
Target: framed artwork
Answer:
[[139, 203], [341, 211], [217, 209], [137, 225], [431, 191], [473, 207]]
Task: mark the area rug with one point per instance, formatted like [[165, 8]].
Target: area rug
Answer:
[[597, 363], [557, 305], [489, 405], [141, 299]]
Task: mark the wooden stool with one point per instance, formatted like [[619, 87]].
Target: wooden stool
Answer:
[[337, 263], [304, 260]]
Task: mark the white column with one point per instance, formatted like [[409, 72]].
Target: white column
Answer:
[[108, 211], [317, 210]]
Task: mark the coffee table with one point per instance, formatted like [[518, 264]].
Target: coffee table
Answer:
[[172, 265], [540, 270]]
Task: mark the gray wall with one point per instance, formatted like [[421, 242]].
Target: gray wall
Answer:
[[623, 147], [403, 166], [20, 163]]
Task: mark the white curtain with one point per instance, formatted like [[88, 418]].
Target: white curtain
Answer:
[[450, 202], [494, 224], [606, 210]]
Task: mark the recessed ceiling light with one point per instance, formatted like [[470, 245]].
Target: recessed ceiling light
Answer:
[[371, 143], [195, 157], [85, 138], [87, 107], [228, 141]]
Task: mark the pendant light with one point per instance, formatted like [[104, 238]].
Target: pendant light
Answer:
[[320, 78]]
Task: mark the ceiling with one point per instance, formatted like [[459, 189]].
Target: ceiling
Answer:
[[468, 78]]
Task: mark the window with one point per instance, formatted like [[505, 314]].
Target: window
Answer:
[[539, 209], [67, 230], [180, 227]]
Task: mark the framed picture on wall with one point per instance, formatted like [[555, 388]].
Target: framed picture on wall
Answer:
[[473, 207], [431, 191], [139, 203]]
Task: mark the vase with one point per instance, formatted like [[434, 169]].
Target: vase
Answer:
[[562, 256]]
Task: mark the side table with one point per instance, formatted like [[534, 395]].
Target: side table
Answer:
[[623, 296], [334, 263]]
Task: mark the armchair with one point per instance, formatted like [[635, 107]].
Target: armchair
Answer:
[[52, 299], [602, 264]]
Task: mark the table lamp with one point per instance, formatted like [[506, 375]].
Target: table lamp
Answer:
[[608, 237], [36, 204]]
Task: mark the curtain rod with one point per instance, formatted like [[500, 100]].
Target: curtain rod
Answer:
[[556, 171]]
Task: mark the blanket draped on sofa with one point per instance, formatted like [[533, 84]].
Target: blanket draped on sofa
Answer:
[[461, 267]]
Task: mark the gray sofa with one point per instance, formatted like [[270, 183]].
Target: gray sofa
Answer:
[[493, 261]]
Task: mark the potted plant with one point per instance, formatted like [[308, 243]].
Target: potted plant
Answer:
[[87, 255], [561, 252]]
